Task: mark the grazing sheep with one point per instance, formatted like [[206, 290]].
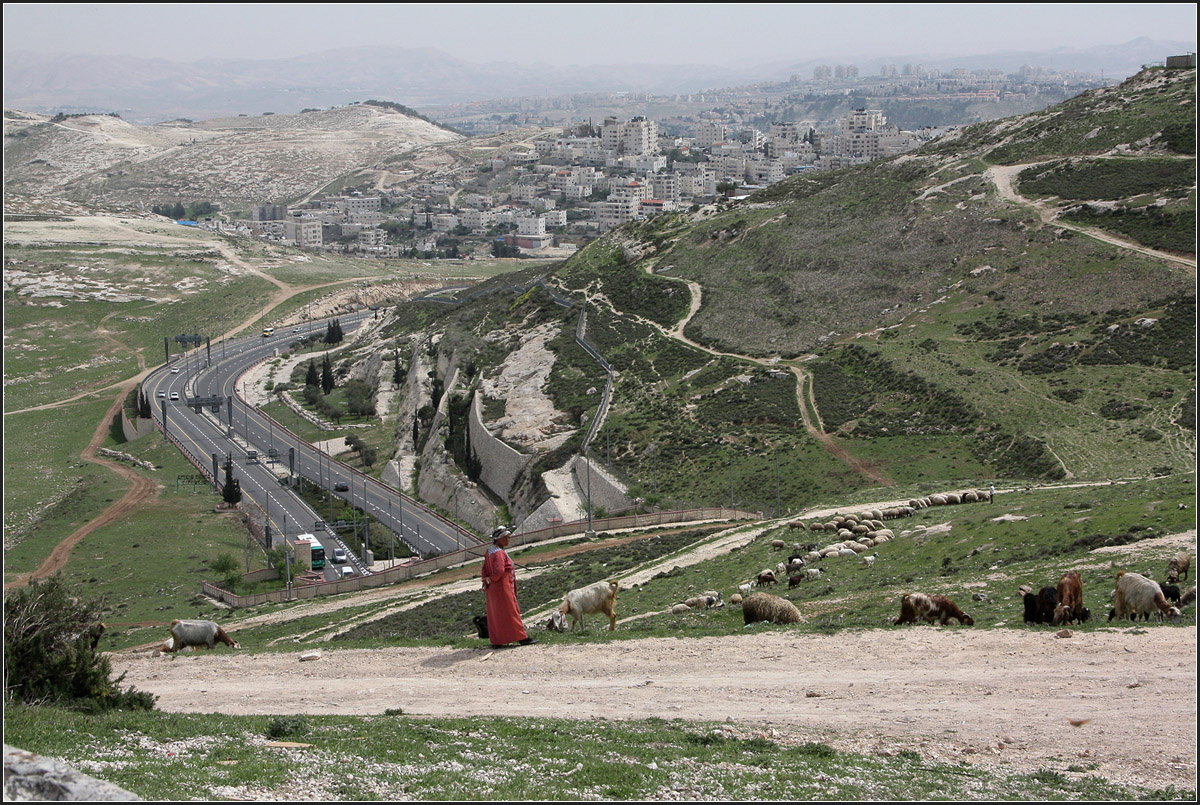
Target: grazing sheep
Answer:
[[794, 524], [194, 634], [1171, 593], [705, 602], [777, 544], [735, 599], [597, 598], [1136, 595], [931, 609], [1178, 567], [794, 581], [1070, 599], [1039, 608], [1188, 598], [812, 574], [766, 577], [679, 609], [766, 607]]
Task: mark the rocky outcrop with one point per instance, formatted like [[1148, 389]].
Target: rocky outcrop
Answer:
[[33, 778]]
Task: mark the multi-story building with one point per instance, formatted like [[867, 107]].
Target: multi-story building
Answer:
[[303, 232]]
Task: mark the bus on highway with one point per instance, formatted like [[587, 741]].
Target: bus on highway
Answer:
[[268, 332], [307, 544]]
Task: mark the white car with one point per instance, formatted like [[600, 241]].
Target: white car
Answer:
[[174, 395], [174, 370], [162, 395], [339, 556]]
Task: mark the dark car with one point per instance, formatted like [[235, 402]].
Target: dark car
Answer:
[[341, 487]]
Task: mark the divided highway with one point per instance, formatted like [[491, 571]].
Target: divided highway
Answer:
[[251, 438]]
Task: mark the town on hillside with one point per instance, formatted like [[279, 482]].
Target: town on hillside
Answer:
[[552, 197]]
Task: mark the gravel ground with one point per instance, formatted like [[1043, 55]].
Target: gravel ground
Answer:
[[1005, 697]]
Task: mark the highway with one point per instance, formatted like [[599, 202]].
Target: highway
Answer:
[[241, 430]]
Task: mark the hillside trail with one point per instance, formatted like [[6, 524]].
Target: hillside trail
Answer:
[[1002, 177], [805, 399]]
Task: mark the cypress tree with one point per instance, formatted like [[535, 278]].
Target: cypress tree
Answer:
[[327, 384]]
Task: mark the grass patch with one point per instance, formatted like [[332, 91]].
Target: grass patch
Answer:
[[163, 756]]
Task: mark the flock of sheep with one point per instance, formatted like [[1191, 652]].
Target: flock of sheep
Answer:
[[1132, 596]]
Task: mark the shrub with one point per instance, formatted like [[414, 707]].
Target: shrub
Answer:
[[50, 651]]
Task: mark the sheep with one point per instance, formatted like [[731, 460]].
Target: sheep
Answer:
[[794, 581], [705, 602], [600, 597], [869, 561], [766, 577], [780, 570], [777, 544], [197, 633], [735, 599], [931, 609], [1171, 593], [481, 628], [1070, 599], [746, 589], [1178, 567], [1135, 594], [556, 623], [680, 609], [794, 524], [812, 574], [1188, 598], [766, 607]]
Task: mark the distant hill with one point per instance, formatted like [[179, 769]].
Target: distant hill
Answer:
[[107, 161], [153, 90]]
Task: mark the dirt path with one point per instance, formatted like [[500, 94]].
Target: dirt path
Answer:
[[803, 382], [140, 490], [1002, 177], [1000, 697]]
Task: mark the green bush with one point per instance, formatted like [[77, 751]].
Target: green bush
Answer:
[[51, 640]]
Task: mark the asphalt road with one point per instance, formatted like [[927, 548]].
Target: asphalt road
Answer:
[[251, 437]]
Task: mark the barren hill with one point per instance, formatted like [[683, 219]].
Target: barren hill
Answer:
[[106, 161]]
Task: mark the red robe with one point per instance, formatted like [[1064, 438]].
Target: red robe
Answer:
[[503, 614]]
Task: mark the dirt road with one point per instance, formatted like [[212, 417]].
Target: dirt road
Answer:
[[1001, 697]]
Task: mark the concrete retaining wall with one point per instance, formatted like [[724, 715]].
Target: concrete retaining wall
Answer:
[[502, 464]]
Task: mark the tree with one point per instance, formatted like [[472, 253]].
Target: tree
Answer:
[[399, 373], [333, 332], [231, 490], [310, 377], [144, 410], [177, 212], [327, 382], [368, 456], [51, 640]]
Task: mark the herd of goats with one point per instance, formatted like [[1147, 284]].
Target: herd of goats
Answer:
[[1133, 596]]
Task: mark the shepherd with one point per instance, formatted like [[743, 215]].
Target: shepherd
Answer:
[[500, 586]]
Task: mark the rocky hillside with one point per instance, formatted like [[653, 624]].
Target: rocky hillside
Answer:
[[104, 161], [943, 317]]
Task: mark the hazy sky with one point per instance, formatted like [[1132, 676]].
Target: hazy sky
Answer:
[[725, 34]]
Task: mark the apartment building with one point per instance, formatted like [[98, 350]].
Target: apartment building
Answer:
[[303, 232]]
